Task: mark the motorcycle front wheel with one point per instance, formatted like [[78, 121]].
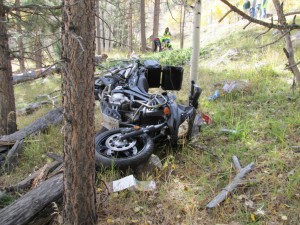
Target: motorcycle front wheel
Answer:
[[112, 152]]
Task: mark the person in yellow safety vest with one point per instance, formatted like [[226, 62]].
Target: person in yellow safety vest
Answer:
[[166, 38]]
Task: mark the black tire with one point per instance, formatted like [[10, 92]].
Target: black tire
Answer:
[[102, 130], [142, 148]]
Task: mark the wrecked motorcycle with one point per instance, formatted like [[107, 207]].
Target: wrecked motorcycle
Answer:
[[135, 119]]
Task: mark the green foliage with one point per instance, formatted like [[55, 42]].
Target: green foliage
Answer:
[[6, 199]]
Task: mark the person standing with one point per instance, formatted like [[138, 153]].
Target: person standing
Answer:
[[246, 7], [265, 4], [166, 38], [253, 8], [259, 9]]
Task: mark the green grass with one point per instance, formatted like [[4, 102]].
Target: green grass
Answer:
[[265, 116]]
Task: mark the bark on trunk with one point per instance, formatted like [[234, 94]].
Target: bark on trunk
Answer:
[[182, 27], [288, 41], [78, 41], [98, 31], [38, 54], [20, 39], [103, 31], [196, 42], [130, 36], [7, 99], [156, 20], [143, 27]]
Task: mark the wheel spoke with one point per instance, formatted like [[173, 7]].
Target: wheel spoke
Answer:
[[134, 150]]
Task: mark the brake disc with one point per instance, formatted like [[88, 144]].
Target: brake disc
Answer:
[[115, 144]]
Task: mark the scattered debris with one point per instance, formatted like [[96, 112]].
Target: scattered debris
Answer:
[[233, 184], [224, 130], [296, 148], [214, 96], [259, 64], [150, 167], [237, 85], [230, 55], [131, 183], [206, 118]]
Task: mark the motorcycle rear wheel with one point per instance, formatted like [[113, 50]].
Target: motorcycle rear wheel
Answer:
[[111, 152]]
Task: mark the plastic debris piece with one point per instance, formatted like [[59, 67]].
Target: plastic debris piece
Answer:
[[131, 183], [214, 96], [229, 87], [228, 131], [206, 118], [197, 124]]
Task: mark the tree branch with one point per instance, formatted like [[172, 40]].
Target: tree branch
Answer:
[[226, 14], [289, 67], [260, 22], [35, 6], [282, 36], [292, 13]]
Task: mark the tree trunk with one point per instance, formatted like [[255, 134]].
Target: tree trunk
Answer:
[[38, 54], [98, 31], [130, 36], [111, 37], [196, 42], [143, 27], [156, 20], [7, 99], [182, 25], [78, 41], [103, 31], [288, 42], [20, 39]]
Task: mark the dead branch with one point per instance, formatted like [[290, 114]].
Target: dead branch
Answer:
[[34, 74], [247, 25], [12, 156], [55, 157], [51, 118], [223, 17], [291, 66], [260, 22], [277, 40], [27, 182], [34, 7], [292, 13], [233, 184], [32, 108]]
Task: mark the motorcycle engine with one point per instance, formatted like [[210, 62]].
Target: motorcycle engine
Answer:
[[118, 99], [122, 103]]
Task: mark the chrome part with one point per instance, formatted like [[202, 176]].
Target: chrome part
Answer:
[[115, 144]]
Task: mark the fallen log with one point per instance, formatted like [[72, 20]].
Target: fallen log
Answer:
[[32, 108], [34, 74], [233, 184], [12, 156], [51, 118], [27, 183], [35, 206]]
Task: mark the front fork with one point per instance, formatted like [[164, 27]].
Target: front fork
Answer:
[[138, 131], [194, 95]]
